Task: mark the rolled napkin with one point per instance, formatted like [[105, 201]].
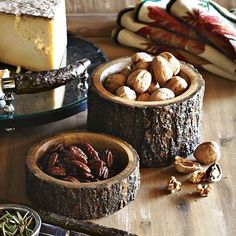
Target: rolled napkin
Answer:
[[154, 13], [165, 37], [210, 20], [130, 39]]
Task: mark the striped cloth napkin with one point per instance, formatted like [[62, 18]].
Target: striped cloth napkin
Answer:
[[157, 26]]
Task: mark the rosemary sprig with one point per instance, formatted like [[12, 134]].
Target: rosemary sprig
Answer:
[[15, 223]]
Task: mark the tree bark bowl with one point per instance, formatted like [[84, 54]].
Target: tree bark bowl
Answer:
[[158, 130], [82, 200]]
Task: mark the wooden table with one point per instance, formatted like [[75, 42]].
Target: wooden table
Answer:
[[154, 212]]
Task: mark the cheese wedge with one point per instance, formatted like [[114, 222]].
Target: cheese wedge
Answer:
[[33, 33]]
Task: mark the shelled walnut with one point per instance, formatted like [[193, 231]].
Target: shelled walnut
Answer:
[[197, 177], [156, 76], [204, 189], [174, 185]]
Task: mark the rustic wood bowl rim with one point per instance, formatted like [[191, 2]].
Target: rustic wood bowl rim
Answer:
[[34, 155], [110, 67]]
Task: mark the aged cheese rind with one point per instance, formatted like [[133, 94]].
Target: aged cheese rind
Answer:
[[43, 8], [33, 42]]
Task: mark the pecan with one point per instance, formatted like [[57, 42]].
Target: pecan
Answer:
[[58, 171], [81, 166], [52, 160], [107, 157], [86, 175], [104, 172], [70, 178], [91, 152], [77, 154]]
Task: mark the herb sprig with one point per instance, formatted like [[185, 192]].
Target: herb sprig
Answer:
[[16, 223]]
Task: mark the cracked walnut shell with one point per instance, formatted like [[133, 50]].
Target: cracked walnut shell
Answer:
[[186, 166], [140, 80], [161, 70]]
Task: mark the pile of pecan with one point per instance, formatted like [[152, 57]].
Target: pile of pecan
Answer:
[[80, 163]]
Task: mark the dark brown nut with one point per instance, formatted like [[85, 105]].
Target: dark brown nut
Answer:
[[207, 152], [143, 97], [161, 94], [81, 166], [86, 175], [57, 171], [177, 84], [214, 173], [52, 160], [153, 87], [186, 166], [77, 154], [114, 81], [141, 56], [70, 178], [91, 152], [174, 185], [161, 70], [126, 93], [141, 65], [139, 80], [204, 189], [174, 62]]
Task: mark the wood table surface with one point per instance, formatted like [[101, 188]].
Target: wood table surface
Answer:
[[154, 212]]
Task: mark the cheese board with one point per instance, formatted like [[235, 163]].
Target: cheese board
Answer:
[[58, 103]]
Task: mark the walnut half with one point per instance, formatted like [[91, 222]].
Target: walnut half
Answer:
[[174, 185]]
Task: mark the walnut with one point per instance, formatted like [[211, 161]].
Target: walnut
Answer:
[[186, 166], [140, 65], [114, 81], [197, 177], [207, 152], [161, 70], [139, 80], [154, 86], [161, 94], [126, 92], [143, 97], [141, 56], [177, 84], [174, 185], [214, 173], [204, 189], [175, 64], [126, 71]]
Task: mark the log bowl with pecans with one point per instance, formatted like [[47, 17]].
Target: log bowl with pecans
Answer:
[[153, 103], [82, 175]]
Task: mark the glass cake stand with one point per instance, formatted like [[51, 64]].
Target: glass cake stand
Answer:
[[56, 104]]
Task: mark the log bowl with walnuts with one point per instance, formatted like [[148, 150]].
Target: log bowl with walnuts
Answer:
[[157, 108], [73, 174]]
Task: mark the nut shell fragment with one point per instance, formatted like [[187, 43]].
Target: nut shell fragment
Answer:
[[207, 152], [214, 173], [186, 166]]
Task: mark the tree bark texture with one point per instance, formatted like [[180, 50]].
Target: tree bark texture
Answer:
[[158, 133]]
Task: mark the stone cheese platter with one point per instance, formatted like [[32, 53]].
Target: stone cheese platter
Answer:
[[36, 108]]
